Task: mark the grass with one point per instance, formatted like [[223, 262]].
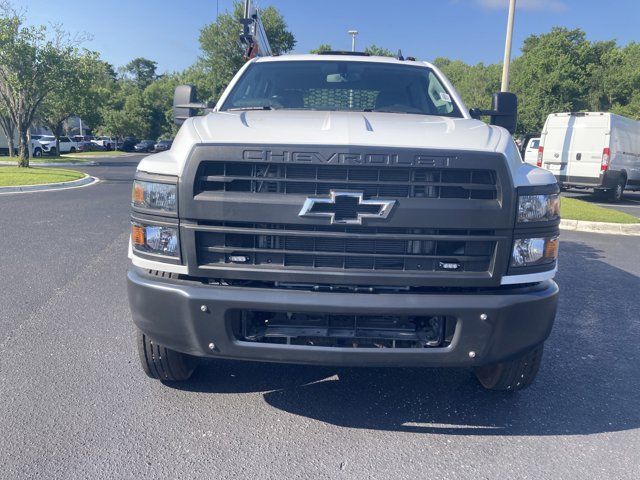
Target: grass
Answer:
[[573, 209], [15, 176]]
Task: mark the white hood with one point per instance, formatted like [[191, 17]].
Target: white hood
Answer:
[[288, 127], [347, 128]]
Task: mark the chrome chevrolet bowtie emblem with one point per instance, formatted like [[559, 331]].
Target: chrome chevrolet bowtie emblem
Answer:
[[345, 207]]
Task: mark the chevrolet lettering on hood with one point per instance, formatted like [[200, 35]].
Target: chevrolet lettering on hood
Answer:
[[346, 158]]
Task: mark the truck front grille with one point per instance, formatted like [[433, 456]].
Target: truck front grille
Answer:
[[344, 247], [373, 181], [345, 331]]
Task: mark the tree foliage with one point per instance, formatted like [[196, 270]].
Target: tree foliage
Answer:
[[222, 55], [141, 71], [32, 63]]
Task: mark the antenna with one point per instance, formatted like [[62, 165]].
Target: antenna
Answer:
[[253, 36]]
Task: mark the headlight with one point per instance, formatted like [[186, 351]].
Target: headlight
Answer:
[[534, 251], [155, 239], [155, 196], [538, 208]]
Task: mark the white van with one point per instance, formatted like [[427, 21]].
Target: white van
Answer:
[[531, 152], [592, 150]]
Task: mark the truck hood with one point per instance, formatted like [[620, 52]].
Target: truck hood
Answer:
[[347, 128]]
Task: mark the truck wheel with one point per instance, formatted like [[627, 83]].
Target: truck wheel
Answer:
[[73, 150], [513, 375], [37, 153], [617, 192], [161, 363]]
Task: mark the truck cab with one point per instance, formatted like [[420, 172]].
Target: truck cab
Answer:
[[343, 210]]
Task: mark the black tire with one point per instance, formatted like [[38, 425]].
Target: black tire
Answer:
[[72, 150], [514, 375], [37, 152], [616, 194], [161, 363]]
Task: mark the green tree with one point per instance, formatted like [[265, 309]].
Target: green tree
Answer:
[[376, 51], [80, 90], [322, 48], [129, 114], [551, 75], [222, 55], [474, 83], [158, 97], [141, 71], [32, 63]]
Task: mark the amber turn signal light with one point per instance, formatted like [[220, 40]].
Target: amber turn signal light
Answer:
[[137, 235]]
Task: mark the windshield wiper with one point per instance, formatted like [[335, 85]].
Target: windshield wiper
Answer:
[[263, 107]]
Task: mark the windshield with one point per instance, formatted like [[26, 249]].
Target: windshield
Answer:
[[341, 86]]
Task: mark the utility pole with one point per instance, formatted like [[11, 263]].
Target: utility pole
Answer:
[[507, 46], [354, 34]]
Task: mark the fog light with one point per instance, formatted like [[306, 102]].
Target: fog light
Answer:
[[534, 251], [155, 239]]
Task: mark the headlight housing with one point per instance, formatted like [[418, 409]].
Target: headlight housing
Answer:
[[162, 197], [155, 239], [538, 208], [529, 252]]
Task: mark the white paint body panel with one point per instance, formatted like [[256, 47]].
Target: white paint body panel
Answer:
[[531, 152]]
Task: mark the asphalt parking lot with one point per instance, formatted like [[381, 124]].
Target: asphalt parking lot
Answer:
[[75, 403]]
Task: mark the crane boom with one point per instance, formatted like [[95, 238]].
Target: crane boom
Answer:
[[253, 36]]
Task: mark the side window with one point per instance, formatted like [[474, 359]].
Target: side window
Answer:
[[534, 144], [64, 139], [439, 96]]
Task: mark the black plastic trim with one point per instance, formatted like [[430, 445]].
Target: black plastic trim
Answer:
[[441, 214], [170, 312]]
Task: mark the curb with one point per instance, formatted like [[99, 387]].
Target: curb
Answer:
[[47, 187], [54, 164], [601, 227]]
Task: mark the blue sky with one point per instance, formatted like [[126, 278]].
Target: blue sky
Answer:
[[470, 30]]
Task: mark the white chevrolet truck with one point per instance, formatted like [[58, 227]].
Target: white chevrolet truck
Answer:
[[342, 209]]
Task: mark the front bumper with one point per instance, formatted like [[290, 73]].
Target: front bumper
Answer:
[[170, 312]]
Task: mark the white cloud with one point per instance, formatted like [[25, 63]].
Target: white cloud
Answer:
[[537, 5]]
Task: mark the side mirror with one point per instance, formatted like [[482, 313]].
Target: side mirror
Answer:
[[503, 113], [184, 103], [505, 106]]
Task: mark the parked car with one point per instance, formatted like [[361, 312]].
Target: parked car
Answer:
[[89, 146], [595, 150], [145, 146], [163, 145], [128, 144], [48, 145], [36, 145], [531, 152], [107, 143]]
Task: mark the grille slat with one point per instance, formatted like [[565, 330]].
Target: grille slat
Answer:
[[374, 181], [344, 248]]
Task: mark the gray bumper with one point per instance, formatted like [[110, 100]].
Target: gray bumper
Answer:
[[170, 313]]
